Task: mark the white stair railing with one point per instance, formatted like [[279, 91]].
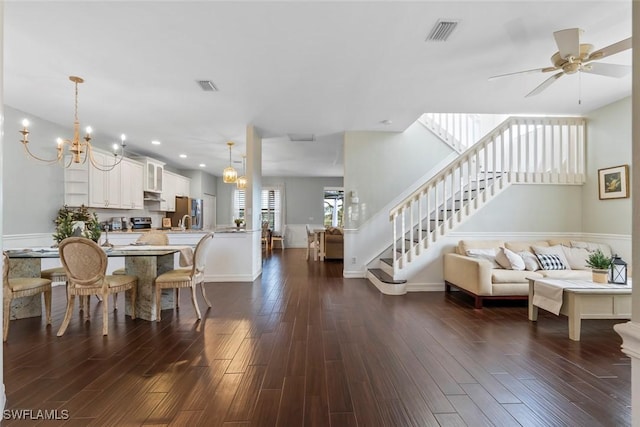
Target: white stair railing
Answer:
[[520, 150], [458, 130]]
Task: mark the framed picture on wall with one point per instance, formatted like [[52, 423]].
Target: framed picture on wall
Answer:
[[613, 182]]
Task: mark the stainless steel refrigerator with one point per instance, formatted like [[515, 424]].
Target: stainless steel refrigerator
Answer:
[[189, 207]]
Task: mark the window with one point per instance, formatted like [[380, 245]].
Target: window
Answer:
[[333, 207], [271, 206]]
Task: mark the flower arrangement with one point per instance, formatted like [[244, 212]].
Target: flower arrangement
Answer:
[[76, 222]]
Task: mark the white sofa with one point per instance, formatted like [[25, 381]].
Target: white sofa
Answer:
[[472, 271]]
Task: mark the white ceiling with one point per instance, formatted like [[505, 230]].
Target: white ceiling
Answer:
[[291, 67]]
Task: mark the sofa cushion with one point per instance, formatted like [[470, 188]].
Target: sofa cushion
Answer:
[[551, 262], [513, 276], [530, 261], [509, 260], [518, 246], [591, 247], [577, 257], [463, 245], [561, 242], [488, 254], [551, 250]]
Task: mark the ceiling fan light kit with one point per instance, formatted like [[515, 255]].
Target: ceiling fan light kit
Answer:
[[573, 57]]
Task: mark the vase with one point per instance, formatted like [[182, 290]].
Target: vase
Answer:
[[600, 276]]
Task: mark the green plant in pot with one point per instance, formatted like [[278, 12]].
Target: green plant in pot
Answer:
[[599, 264], [239, 222], [76, 222]]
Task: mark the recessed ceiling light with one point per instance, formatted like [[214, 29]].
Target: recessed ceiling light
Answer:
[[155, 142], [202, 165], [183, 156], [207, 85], [386, 122]]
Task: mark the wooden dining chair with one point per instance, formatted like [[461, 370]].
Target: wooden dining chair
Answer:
[[186, 278], [153, 238], [312, 244], [278, 236], [22, 287], [85, 264]]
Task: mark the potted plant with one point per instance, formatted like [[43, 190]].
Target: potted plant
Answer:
[[239, 222], [600, 265], [76, 222]]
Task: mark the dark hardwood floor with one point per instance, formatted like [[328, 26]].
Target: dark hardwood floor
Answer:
[[303, 346]]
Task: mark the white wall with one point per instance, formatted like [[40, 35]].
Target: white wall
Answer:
[[380, 165], [608, 144]]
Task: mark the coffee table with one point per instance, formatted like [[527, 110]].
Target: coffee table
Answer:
[[583, 299]]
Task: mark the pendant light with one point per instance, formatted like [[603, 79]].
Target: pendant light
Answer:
[[229, 175], [242, 180]]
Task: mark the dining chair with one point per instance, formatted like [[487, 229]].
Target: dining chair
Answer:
[[311, 241], [266, 235], [86, 265], [57, 274], [278, 237], [186, 278], [17, 287]]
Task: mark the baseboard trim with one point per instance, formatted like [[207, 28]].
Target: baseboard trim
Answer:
[[354, 274], [229, 278], [425, 287]]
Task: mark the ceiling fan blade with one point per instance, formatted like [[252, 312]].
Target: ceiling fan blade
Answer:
[[568, 42], [545, 84], [610, 50], [535, 70], [609, 70]]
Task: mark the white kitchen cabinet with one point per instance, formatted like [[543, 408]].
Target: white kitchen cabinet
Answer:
[[132, 182], [168, 203], [182, 186], [104, 186], [153, 174]]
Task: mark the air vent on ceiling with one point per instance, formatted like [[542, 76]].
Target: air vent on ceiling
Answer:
[[207, 85], [300, 137], [442, 30]]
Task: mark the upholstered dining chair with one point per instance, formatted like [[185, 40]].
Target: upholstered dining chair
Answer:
[[86, 265], [278, 236], [22, 287], [266, 235], [186, 278], [57, 274]]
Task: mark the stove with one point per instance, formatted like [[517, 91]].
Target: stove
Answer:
[[140, 223]]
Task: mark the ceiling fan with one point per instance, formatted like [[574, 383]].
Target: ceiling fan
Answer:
[[573, 56]]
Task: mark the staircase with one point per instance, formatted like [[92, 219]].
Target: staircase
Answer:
[[521, 150]]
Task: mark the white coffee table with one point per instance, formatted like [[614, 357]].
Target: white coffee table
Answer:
[[583, 299]]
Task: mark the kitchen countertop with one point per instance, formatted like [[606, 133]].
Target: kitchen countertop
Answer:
[[179, 231]]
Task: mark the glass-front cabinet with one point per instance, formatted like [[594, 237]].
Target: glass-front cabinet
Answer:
[[152, 174]]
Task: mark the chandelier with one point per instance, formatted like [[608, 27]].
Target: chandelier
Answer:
[[77, 150], [241, 182], [229, 175]]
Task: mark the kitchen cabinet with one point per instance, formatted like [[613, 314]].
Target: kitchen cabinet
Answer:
[[153, 174], [168, 203], [132, 182], [174, 185], [105, 186]]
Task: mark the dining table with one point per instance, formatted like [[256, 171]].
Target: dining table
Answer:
[[144, 262]]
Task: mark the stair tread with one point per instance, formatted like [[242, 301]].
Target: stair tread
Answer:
[[385, 277], [388, 261]]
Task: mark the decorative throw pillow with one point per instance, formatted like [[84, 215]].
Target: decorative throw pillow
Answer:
[[509, 260], [551, 262], [592, 247], [577, 257], [530, 261], [486, 254], [552, 250]]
